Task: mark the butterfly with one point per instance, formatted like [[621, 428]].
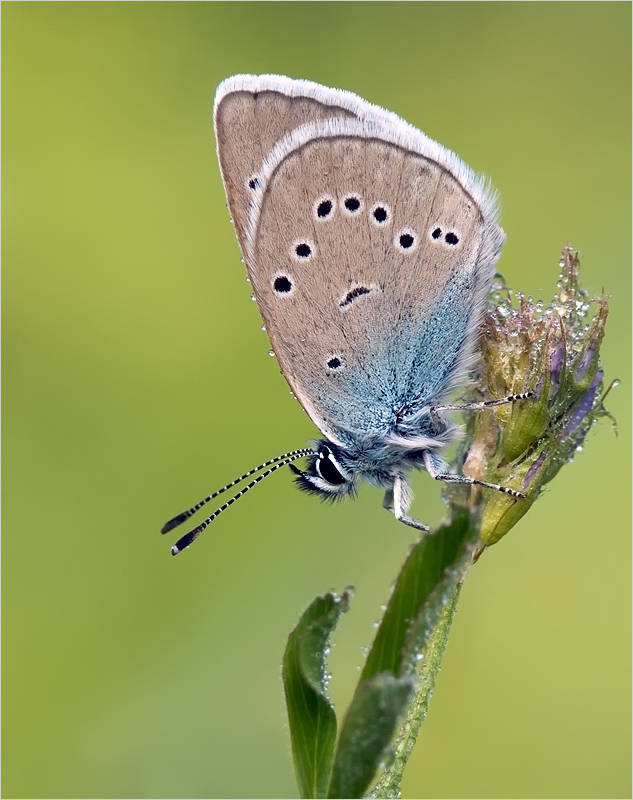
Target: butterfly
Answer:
[[371, 250]]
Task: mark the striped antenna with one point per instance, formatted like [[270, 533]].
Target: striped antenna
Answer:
[[180, 518], [188, 538]]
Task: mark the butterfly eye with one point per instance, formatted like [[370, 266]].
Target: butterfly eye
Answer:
[[327, 469]]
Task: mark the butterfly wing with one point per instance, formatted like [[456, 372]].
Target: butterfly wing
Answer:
[[370, 249]]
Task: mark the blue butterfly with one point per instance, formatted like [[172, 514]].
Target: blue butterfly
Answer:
[[371, 250]]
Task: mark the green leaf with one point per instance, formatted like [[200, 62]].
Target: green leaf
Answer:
[[389, 783], [432, 569], [310, 714], [367, 732]]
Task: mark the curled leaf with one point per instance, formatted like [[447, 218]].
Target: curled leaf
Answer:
[[310, 714]]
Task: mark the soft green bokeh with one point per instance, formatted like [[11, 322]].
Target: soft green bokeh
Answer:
[[136, 380]]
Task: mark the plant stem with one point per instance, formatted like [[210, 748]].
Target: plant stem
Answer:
[[389, 784]]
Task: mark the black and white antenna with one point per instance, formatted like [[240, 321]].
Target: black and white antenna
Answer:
[[272, 465]]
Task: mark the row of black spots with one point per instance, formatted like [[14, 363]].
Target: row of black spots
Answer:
[[333, 363], [450, 237], [325, 207], [351, 205]]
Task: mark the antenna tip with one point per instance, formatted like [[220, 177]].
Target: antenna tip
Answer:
[[175, 522], [174, 550]]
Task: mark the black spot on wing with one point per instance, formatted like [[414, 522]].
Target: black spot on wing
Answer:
[[357, 291]]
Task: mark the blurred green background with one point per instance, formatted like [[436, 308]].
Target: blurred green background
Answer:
[[136, 380]]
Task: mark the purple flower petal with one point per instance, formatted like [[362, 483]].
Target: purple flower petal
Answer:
[[556, 361], [531, 473], [585, 406]]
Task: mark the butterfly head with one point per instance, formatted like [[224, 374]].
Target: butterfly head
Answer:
[[329, 473]]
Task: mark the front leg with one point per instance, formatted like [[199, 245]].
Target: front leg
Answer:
[[398, 500], [449, 477]]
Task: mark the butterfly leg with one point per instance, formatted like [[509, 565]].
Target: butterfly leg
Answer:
[[484, 404], [438, 475], [398, 500]]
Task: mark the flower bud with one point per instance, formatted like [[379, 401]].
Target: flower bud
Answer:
[[552, 351]]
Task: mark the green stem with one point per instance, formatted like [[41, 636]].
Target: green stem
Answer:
[[389, 784]]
